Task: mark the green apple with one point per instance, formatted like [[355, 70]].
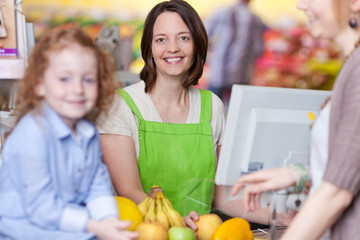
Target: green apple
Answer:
[[181, 233]]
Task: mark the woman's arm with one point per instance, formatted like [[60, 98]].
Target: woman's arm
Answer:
[[319, 212], [120, 157]]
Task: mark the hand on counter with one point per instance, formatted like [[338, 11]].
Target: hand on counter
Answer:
[[111, 228], [190, 220]]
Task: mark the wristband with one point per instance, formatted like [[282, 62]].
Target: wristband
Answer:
[[302, 176]]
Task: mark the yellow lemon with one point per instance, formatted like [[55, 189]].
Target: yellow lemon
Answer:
[[128, 210], [233, 229]]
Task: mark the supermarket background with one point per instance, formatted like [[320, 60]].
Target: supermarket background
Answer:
[[292, 58]]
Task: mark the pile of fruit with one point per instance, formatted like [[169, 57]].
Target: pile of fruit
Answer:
[[156, 219]]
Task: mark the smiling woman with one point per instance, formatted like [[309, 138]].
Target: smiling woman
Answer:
[[163, 131], [163, 128]]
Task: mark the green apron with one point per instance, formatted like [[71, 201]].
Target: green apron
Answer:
[[179, 158]]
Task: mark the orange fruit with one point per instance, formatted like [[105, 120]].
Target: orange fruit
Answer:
[[128, 210], [151, 231]]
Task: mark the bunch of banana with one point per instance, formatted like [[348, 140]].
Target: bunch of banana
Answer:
[[157, 208]]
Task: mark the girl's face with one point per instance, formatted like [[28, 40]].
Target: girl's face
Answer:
[[172, 46], [322, 18], [70, 84]]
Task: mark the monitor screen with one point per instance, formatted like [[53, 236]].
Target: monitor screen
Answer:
[[266, 127]]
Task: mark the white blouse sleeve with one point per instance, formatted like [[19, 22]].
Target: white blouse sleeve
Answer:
[[120, 119]]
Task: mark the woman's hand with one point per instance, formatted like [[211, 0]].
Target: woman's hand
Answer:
[[261, 181], [191, 219], [112, 229]]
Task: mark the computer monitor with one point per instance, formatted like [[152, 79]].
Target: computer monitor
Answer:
[[266, 127]]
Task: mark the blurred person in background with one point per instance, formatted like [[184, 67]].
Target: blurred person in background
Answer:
[[235, 42]]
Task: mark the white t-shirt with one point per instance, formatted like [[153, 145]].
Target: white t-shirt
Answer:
[[319, 152], [319, 147], [123, 121]]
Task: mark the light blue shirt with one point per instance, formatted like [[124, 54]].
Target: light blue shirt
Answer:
[[51, 181]]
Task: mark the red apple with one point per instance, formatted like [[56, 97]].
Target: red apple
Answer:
[[181, 233]]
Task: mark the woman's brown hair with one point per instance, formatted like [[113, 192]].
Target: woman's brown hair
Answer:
[[56, 40], [197, 31]]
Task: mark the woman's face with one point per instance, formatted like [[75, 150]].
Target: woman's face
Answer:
[[322, 19], [172, 46]]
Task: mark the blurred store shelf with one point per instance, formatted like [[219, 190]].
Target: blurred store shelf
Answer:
[[11, 68]]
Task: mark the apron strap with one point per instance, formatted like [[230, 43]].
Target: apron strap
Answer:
[[205, 114], [130, 102]]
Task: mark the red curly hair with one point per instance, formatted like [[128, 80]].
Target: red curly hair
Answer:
[[56, 40]]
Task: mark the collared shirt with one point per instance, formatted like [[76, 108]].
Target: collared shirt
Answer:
[[50, 180], [235, 42]]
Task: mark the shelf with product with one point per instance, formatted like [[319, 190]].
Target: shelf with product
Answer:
[[119, 37], [294, 59], [16, 40]]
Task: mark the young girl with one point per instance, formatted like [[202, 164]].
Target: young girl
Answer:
[[53, 184], [335, 155]]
